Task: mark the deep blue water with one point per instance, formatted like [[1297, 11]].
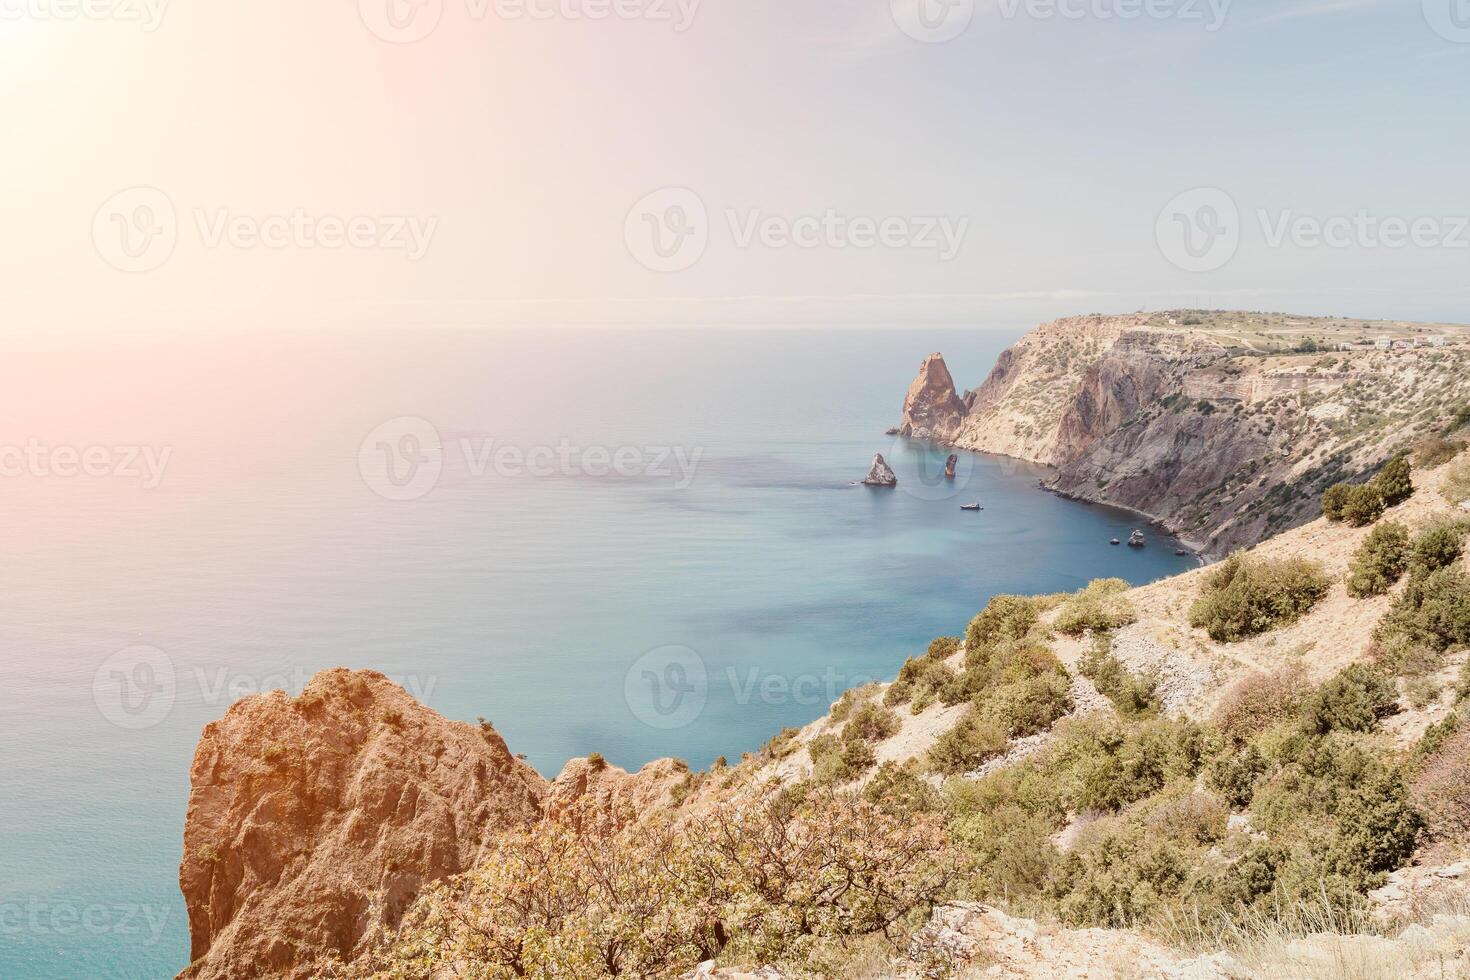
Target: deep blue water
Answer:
[[651, 612]]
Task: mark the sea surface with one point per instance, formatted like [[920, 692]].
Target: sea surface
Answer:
[[638, 542]]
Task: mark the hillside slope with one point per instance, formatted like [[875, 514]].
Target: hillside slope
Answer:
[[1223, 429]]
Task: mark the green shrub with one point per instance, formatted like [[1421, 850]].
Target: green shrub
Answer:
[[1438, 547], [1334, 501], [1380, 561], [1235, 775], [1103, 764], [1006, 617], [943, 647], [1029, 706], [871, 723], [1433, 611], [919, 677], [1353, 701], [1101, 607], [1247, 596], [1395, 481], [901, 790], [967, 746], [1364, 505], [1132, 695]]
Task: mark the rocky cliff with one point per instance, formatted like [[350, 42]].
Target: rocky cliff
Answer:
[[1227, 428], [315, 821]]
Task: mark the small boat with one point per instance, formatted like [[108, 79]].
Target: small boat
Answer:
[[1115, 542], [1136, 540], [1181, 553], [970, 507]]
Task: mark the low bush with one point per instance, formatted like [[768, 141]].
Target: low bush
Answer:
[[943, 647], [1434, 611], [1258, 701], [919, 677], [1133, 695], [1436, 547], [1027, 707], [1101, 607], [1103, 765], [1006, 617], [1380, 561], [1247, 596], [968, 745], [1363, 505], [1435, 451], [1456, 484], [1335, 500], [1395, 481], [1441, 791], [1353, 701], [871, 723]]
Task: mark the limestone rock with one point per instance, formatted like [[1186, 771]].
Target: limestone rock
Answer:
[[950, 465], [614, 793], [313, 821], [881, 475], [932, 409]]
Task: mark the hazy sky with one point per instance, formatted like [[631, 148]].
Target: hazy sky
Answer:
[[196, 163]]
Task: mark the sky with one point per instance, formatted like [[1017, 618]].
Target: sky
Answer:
[[183, 164]]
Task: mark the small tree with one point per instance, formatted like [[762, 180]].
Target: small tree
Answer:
[[1363, 505], [1380, 561], [1335, 500], [1395, 481]]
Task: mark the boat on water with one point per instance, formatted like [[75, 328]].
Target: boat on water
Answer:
[[1115, 542], [970, 507], [1181, 553], [1136, 540]]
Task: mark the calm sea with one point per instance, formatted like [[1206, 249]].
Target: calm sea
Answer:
[[643, 543]]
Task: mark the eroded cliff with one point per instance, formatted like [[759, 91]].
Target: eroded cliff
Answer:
[[1227, 428]]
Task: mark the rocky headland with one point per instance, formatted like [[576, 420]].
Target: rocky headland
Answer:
[[1225, 427]]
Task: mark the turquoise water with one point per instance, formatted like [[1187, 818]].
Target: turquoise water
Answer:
[[649, 612]]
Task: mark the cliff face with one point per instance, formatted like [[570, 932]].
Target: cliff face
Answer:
[[312, 821], [1223, 437]]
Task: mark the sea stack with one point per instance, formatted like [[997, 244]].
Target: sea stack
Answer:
[[881, 475], [950, 464], [933, 409]]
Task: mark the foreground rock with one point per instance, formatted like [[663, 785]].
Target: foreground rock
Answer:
[[881, 475], [314, 820], [998, 945]]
